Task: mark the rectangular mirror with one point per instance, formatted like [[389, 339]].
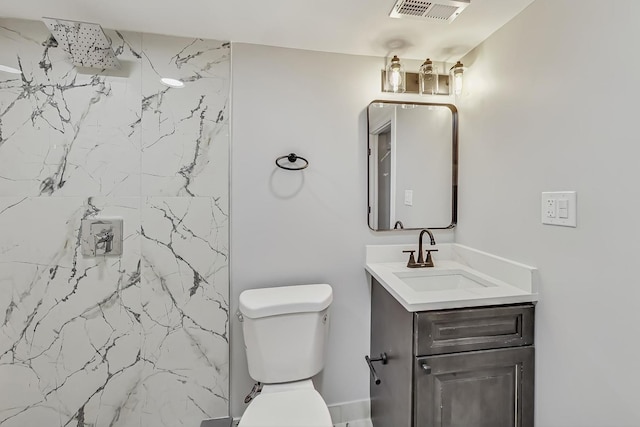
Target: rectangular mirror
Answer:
[[413, 165]]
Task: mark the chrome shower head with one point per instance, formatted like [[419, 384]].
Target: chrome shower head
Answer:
[[86, 43]]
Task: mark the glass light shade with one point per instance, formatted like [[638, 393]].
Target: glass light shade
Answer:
[[456, 78], [428, 78], [396, 76]]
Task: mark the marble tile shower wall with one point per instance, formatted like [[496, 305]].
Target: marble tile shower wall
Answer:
[[141, 339]]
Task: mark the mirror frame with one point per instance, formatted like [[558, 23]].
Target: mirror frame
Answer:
[[454, 166]]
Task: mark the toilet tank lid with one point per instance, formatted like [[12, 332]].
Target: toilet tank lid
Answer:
[[257, 303]]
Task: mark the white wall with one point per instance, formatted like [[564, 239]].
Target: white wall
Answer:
[[304, 227], [544, 110]]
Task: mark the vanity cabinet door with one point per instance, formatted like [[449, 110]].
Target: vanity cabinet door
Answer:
[[491, 388], [391, 334]]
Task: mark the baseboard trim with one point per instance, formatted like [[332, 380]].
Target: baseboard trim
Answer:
[[350, 411], [217, 422]]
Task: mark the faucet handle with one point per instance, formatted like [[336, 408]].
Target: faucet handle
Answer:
[[412, 259], [428, 251], [429, 260]]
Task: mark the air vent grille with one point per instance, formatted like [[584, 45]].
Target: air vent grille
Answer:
[[442, 11], [413, 7]]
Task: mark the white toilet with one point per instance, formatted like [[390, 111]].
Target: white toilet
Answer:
[[285, 334]]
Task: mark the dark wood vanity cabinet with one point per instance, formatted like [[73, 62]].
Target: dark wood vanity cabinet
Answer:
[[467, 367]]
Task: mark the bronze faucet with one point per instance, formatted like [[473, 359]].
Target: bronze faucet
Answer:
[[421, 261]]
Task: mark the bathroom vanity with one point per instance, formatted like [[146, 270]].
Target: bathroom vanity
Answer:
[[457, 339]]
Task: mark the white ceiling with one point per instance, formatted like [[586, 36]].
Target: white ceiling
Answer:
[[360, 27]]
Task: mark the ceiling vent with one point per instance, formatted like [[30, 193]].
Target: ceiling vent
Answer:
[[440, 11]]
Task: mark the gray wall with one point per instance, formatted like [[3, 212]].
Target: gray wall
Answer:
[[311, 226], [551, 104]]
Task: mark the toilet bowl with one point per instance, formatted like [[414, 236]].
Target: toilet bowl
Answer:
[[296, 404], [285, 332]]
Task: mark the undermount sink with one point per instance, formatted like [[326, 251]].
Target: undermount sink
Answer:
[[429, 281], [461, 277]]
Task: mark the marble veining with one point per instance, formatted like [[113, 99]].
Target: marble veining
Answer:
[[134, 340], [169, 167], [63, 131]]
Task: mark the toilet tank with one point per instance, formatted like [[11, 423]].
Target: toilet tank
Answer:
[[285, 331]]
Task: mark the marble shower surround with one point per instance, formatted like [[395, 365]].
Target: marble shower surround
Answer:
[[137, 340]]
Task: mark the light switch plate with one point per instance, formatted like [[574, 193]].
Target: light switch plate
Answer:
[[559, 208], [408, 197], [101, 237]]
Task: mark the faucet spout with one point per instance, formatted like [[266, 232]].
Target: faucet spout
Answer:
[[421, 261], [420, 251]]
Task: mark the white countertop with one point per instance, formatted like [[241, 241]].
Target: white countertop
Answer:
[[508, 282]]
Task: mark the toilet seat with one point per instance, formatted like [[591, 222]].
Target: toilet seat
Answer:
[[296, 407]]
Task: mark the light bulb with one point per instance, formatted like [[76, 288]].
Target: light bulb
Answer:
[[396, 79], [456, 74], [457, 83], [395, 75], [428, 78]]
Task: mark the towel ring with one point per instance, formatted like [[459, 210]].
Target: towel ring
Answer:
[[293, 157]]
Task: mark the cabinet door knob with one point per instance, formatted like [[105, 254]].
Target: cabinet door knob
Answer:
[[426, 368]]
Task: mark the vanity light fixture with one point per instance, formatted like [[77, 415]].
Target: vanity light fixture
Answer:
[[8, 69], [456, 73], [396, 81], [427, 81], [174, 83]]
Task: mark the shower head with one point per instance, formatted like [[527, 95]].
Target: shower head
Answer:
[[86, 43]]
